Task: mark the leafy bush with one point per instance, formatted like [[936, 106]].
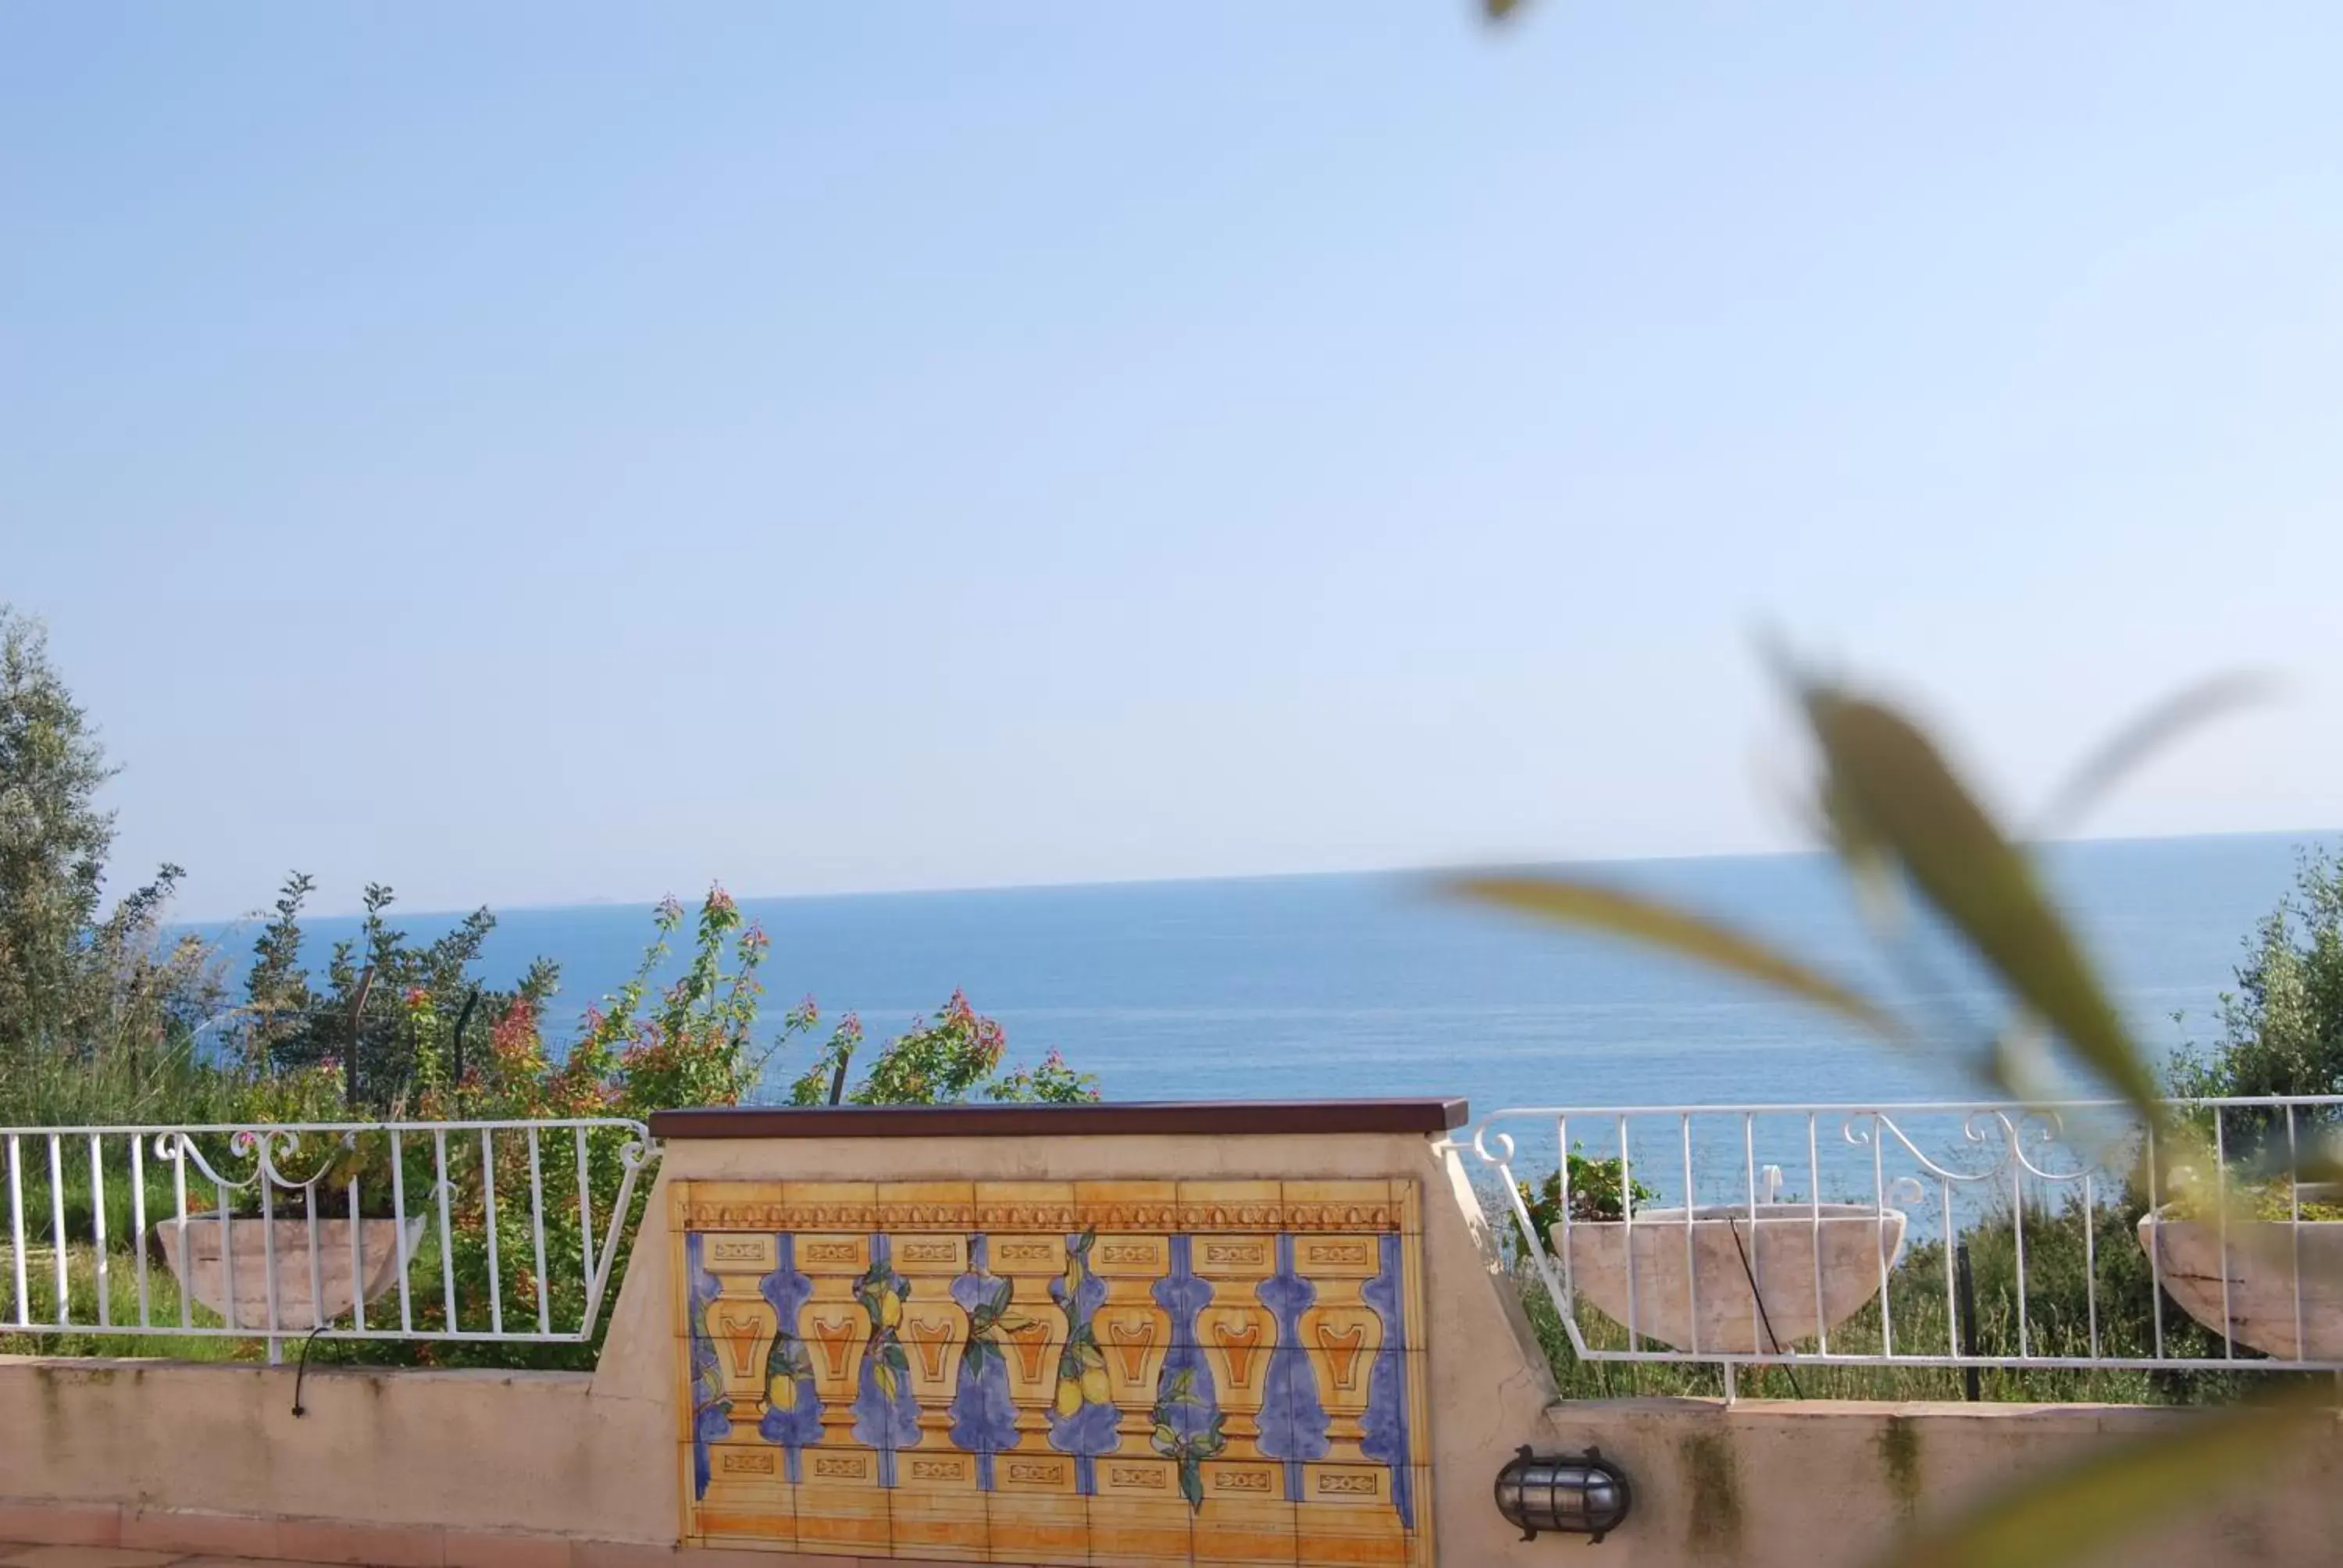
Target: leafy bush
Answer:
[[1594, 1193], [948, 1057], [389, 1011], [98, 1010], [2281, 1029]]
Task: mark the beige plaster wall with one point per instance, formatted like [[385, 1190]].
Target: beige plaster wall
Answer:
[[593, 1456], [1790, 1485], [468, 1449]]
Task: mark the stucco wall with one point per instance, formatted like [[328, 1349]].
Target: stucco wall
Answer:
[[1816, 1483], [475, 1450], [593, 1457]]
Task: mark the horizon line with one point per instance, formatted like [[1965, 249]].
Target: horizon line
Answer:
[[1105, 882]]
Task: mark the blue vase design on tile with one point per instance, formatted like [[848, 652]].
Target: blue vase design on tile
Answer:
[[711, 1411], [1384, 1427], [885, 1412], [984, 1420], [1188, 1415], [1082, 1415], [1293, 1416], [792, 1415]]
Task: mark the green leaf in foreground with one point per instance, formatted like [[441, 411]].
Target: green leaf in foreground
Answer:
[[1889, 789], [1696, 937], [2128, 747], [2056, 1522]]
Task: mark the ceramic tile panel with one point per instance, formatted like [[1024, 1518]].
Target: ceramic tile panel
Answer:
[[1134, 1206], [1416, 1331], [841, 1509], [1419, 1423], [1347, 1512], [1222, 1206], [1139, 1517], [730, 1205], [936, 1509], [1041, 1206], [689, 1455], [829, 1206], [1036, 1511], [1362, 1205], [1246, 1522], [927, 1206], [1232, 1330], [1117, 1372], [748, 1497]]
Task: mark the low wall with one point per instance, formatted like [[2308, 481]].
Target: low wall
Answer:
[[427, 1466], [382, 1466]]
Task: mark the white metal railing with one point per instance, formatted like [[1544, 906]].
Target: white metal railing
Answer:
[[1763, 1235], [463, 1230]]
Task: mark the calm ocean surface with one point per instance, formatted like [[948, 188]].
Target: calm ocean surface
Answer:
[[1368, 985]]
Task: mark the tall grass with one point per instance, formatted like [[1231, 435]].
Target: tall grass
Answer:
[[121, 1289], [116, 1083]]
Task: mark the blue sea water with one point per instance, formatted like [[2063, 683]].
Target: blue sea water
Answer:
[[1374, 984]]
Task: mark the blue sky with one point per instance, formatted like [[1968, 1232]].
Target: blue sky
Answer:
[[534, 453]]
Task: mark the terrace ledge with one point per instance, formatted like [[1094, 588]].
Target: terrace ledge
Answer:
[[1154, 1117]]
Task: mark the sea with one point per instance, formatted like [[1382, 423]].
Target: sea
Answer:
[[1385, 984]]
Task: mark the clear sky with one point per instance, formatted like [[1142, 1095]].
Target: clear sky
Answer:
[[526, 454]]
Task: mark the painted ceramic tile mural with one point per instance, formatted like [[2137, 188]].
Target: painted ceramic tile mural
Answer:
[[1114, 1373]]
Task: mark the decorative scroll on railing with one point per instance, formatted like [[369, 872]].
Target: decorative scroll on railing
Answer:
[[461, 1231], [1928, 1236]]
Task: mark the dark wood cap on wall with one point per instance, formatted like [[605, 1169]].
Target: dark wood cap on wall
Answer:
[[1213, 1117]]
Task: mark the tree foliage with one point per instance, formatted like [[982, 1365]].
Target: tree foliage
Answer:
[[2282, 1027], [650, 1045], [77, 982], [54, 839], [386, 1004], [101, 1010]]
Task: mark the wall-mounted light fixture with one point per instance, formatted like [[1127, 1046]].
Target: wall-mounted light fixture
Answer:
[[1578, 1494]]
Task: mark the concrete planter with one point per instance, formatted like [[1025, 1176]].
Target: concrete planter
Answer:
[[192, 1247], [1752, 1285], [2261, 1272]]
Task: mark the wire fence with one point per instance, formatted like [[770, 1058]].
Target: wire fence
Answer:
[[1947, 1235], [474, 1231]]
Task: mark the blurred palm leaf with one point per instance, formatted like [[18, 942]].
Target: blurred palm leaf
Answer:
[[1892, 803], [2131, 745], [1889, 790], [1696, 937]]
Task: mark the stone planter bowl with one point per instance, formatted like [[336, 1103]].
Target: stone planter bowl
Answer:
[[192, 1249], [2261, 1272], [1720, 1311]]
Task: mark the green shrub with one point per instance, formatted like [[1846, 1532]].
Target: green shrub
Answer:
[[2282, 1027], [1593, 1195]]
